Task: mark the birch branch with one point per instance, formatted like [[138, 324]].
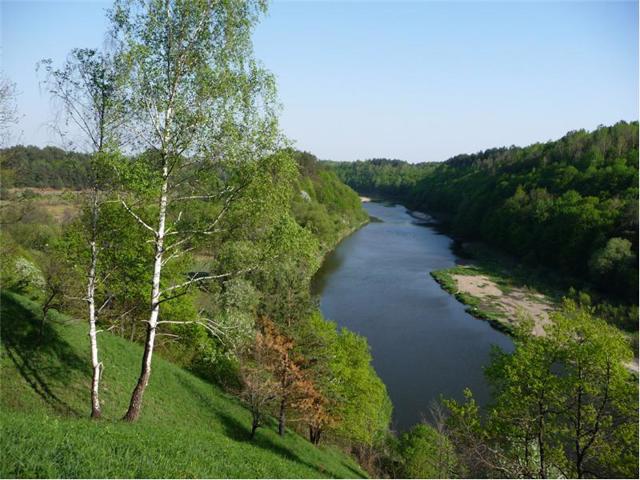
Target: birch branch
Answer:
[[195, 279], [106, 302], [137, 217]]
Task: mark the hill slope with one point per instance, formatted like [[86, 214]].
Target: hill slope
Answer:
[[188, 428], [569, 204]]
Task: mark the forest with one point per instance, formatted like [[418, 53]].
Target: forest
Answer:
[[571, 204], [157, 314]]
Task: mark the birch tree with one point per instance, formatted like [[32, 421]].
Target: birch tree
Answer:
[[208, 176], [8, 109], [87, 90]]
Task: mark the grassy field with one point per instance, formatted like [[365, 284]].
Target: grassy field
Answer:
[[188, 428]]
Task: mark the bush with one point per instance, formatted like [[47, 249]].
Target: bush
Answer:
[[426, 453]]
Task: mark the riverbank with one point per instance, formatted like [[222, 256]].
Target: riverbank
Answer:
[[495, 288], [375, 284], [496, 299], [502, 290]]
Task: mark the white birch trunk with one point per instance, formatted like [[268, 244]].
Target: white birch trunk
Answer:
[[138, 392], [91, 300]]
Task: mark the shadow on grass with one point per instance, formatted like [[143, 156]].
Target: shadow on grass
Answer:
[[40, 359], [357, 474], [240, 432]]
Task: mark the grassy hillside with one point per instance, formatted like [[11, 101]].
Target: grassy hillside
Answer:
[[188, 428]]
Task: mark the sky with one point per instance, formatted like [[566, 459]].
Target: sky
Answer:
[[419, 81]]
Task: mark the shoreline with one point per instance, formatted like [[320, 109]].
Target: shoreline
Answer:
[[482, 308]]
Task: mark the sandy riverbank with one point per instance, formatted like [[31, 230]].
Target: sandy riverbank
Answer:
[[514, 304]]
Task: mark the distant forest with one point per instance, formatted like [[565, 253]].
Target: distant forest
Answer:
[[571, 204], [48, 167]]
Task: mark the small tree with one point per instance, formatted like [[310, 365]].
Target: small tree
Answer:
[[259, 391], [564, 405], [56, 277], [259, 386], [426, 453], [280, 358], [598, 395], [88, 90], [314, 408], [203, 121]]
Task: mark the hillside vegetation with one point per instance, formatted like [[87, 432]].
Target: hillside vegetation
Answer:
[[570, 204], [189, 428], [258, 318]]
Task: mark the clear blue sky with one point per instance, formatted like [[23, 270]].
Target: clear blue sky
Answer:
[[419, 81]]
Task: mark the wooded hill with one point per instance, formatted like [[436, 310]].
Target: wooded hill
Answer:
[[261, 318], [191, 428], [571, 204]]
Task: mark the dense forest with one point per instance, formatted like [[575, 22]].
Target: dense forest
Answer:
[[49, 167], [571, 204], [382, 177]]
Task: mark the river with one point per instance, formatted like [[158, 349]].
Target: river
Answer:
[[423, 343]]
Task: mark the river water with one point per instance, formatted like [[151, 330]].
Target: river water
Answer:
[[423, 343]]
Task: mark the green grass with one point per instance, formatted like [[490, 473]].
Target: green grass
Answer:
[[188, 427]]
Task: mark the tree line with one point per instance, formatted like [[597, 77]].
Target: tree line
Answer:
[[571, 204], [49, 167]]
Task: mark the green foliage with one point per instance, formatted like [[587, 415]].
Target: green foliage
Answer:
[[564, 404], [18, 271], [189, 428], [614, 265], [365, 407], [557, 203], [324, 205], [342, 370], [426, 453]]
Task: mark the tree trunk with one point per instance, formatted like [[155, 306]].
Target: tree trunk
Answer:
[[91, 301], [254, 427], [135, 404], [282, 417], [578, 430], [132, 337], [542, 473], [138, 392], [45, 311], [314, 435]]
